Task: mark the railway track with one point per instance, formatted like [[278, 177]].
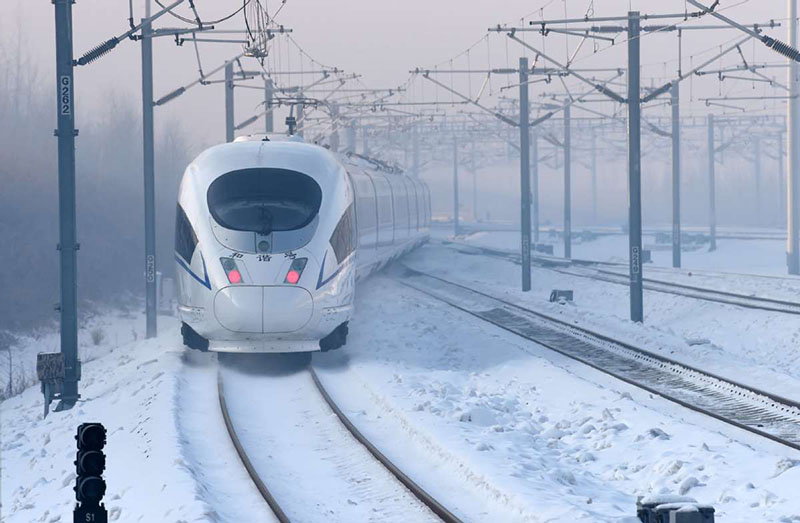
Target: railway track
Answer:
[[745, 407], [593, 270], [395, 497], [471, 228], [248, 465]]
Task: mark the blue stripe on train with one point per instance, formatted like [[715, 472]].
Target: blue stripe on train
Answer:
[[320, 281], [205, 282]]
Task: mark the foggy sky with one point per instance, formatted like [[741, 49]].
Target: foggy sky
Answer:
[[381, 40]]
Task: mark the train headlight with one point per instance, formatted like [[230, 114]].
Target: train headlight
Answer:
[[296, 269], [231, 270]]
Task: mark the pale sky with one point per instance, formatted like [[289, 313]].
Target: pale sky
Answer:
[[382, 40]]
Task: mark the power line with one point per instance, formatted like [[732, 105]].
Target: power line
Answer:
[[198, 21]]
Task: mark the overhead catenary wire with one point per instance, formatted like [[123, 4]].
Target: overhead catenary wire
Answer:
[[212, 22]]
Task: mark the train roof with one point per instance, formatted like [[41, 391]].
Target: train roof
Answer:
[[348, 158], [293, 155]]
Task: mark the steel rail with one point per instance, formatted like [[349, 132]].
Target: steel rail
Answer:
[[418, 492], [699, 380], [769, 304], [248, 465], [667, 287]]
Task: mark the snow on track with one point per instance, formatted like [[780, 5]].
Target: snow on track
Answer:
[[591, 270], [207, 448], [751, 346], [524, 431], [132, 391], [754, 410], [760, 256], [315, 469]]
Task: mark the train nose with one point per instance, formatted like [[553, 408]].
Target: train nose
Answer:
[[263, 309]]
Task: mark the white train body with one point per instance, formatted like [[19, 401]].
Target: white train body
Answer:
[[272, 235]]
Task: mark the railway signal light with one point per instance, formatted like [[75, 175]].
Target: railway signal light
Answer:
[[90, 462]]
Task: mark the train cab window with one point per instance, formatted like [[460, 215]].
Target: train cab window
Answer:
[[185, 237], [264, 200], [343, 237]]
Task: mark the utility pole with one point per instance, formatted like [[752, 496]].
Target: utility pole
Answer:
[[712, 199], [351, 137], [634, 169], [300, 123], [334, 139], [525, 174], [229, 102], [455, 185], [781, 181], [269, 121], [414, 148], [535, 181], [365, 140], [594, 176], [676, 175], [68, 244], [757, 173], [474, 183], [148, 156], [793, 153], [567, 183]]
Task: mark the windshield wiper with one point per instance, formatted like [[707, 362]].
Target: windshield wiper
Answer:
[[266, 221]]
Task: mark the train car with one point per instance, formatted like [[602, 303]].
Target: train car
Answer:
[[272, 234]]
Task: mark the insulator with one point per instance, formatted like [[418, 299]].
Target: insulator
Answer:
[[611, 94], [783, 48], [246, 122], [98, 51], [607, 28], [167, 97], [658, 92]]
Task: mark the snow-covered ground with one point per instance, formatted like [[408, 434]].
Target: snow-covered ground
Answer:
[[732, 255], [162, 463], [498, 428], [312, 465], [530, 434], [758, 348], [97, 335]]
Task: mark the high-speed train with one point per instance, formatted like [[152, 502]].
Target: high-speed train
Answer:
[[271, 235]]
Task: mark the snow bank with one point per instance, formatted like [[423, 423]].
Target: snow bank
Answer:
[[514, 432], [156, 471]]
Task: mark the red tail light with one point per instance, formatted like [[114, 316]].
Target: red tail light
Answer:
[[235, 276], [231, 270], [293, 276]]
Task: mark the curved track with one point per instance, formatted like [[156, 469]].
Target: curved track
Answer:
[[436, 507], [248, 465], [748, 408], [428, 502], [592, 270]]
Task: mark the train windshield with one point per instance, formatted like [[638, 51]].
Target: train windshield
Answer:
[[264, 200]]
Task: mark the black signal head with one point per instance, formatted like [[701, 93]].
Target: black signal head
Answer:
[[91, 436]]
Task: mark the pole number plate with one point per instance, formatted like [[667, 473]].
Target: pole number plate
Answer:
[[151, 268], [65, 95]]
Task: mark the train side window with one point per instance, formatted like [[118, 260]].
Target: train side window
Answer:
[[185, 237], [413, 204], [342, 239], [366, 213], [424, 206], [386, 209]]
